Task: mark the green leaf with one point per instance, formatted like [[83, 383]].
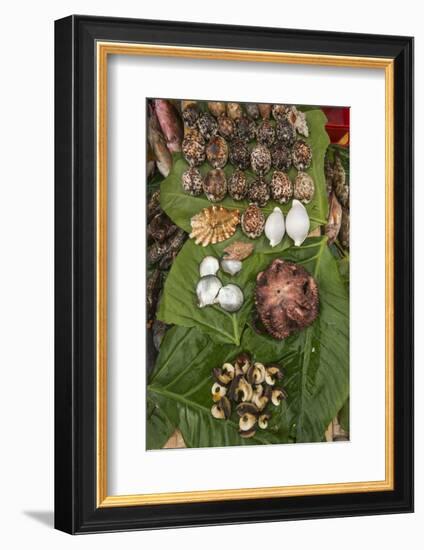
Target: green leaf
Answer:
[[344, 416], [159, 426], [182, 383], [181, 207]]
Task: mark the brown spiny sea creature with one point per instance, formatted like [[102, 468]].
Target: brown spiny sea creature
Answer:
[[214, 224], [286, 298]]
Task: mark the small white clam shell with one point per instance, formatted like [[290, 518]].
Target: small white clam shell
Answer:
[[275, 227], [207, 290], [297, 223], [230, 298], [208, 266], [231, 266]]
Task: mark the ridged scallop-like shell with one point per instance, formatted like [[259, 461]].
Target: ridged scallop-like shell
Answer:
[[214, 225]]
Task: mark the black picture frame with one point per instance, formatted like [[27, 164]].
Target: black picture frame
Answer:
[[76, 510]]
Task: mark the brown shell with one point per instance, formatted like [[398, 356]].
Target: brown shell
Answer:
[[192, 181], [238, 251], [281, 187], [303, 188], [301, 155], [281, 156], [265, 110], [194, 152], [215, 185], [217, 152], [234, 110], [286, 298], [226, 127], [266, 133], [260, 159], [258, 191], [252, 110], [252, 221], [214, 225], [217, 108], [279, 111], [237, 185]]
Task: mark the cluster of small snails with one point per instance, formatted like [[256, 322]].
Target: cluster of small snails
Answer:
[[225, 134], [249, 387]]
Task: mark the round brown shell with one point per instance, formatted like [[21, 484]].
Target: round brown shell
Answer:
[[266, 133], [207, 125], [190, 115], [258, 191], [304, 188], [279, 111], [281, 187], [215, 185], [194, 152], [239, 154], [217, 108], [192, 181], [286, 298], [285, 132], [301, 155], [237, 185], [281, 156], [226, 127], [217, 152], [245, 129], [252, 221], [260, 159]]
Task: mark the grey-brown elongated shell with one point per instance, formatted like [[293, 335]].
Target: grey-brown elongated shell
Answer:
[[215, 185], [217, 152], [190, 115], [260, 159], [286, 298], [265, 110], [207, 125], [285, 132], [279, 111], [281, 187], [239, 154], [301, 155], [194, 152], [226, 127], [245, 129], [234, 110], [252, 221], [258, 191], [217, 108], [281, 156], [252, 110], [266, 133], [303, 188], [237, 185], [192, 181]]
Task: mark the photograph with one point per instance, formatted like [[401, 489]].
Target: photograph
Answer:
[[247, 283]]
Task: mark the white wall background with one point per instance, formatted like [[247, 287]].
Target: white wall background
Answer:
[[26, 276]]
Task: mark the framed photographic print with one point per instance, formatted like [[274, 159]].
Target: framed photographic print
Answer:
[[234, 274]]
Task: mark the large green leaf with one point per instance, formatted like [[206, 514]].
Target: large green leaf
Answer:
[[180, 389], [181, 207], [315, 360]]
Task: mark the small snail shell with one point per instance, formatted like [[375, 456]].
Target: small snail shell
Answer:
[[207, 290], [297, 223], [275, 227], [231, 266], [208, 266]]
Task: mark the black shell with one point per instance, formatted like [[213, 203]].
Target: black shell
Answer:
[[281, 156], [258, 192], [285, 132], [260, 159], [226, 127], [217, 152], [245, 129], [215, 185], [207, 125], [237, 185], [266, 133], [190, 115], [239, 154], [192, 181], [301, 155], [252, 221], [194, 152], [281, 187]]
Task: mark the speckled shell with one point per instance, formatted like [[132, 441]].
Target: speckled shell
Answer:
[[215, 185], [279, 111], [239, 154], [281, 187], [266, 133], [217, 108], [192, 181], [214, 225], [194, 134], [258, 192], [207, 125], [260, 159], [234, 110], [217, 152], [301, 155], [194, 152], [190, 115], [281, 157], [252, 110], [303, 188], [298, 120], [245, 129], [226, 127], [265, 110], [285, 132], [237, 185], [252, 221]]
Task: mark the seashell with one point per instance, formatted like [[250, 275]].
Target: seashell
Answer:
[[245, 129], [207, 125], [239, 250], [237, 185], [266, 133], [281, 187], [213, 225], [194, 152], [190, 115], [252, 110], [298, 120], [230, 297], [303, 188], [234, 110], [340, 185], [279, 112], [226, 127], [193, 134], [217, 108], [334, 220], [231, 266], [344, 234], [239, 154], [252, 221], [281, 157], [260, 159], [274, 227], [207, 290], [192, 181], [297, 223], [217, 152], [258, 191], [215, 185], [265, 110], [208, 266], [285, 132], [301, 155]]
